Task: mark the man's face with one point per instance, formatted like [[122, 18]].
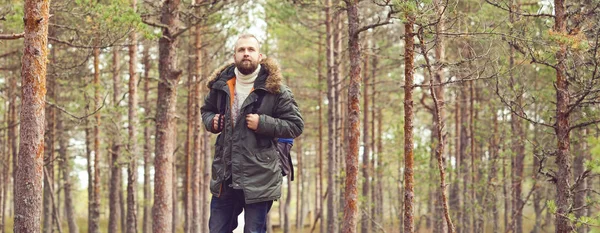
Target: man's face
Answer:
[[246, 55]]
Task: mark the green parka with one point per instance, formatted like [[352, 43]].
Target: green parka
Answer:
[[250, 157]]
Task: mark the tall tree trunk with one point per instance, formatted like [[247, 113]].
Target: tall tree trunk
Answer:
[[332, 210], [65, 165], [29, 170], [300, 200], [207, 160], [286, 207], [189, 162], [494, 155], [165, 120], [578, 169], [5, 161], [564, 197], [364, 221], [197, 137], [408, 123], [376, 211], [13, 130], [147, 223], [94, 219], [464, 169], [299, 190], [439, 114], [340, 123], [455, 196], [351, 190], [319, 183], [50, 134], [114, 199], [133, 150], [518, 146]]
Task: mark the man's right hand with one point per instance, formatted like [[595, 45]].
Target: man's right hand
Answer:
[[216, 127]]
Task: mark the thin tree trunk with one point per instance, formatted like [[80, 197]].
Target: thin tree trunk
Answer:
[[319, 183], [13, 130], [63, 144], [564, 195], [364, 222], [207, 160], [578, 169], [48, 211], [299, 188], [439, 114], [518, 147], [376, 211], [163, 209], [475, 203], [351, 190], [332, 210], [494, 155], [94, 220], [286, 207], [464, 169], [29, 170], [132, 173], [114, 200], [379, 206], [189, 162], [455, 197], [147, 223], [197, 137], [408, 123]]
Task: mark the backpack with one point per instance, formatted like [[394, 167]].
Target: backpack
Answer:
[[283, 146]]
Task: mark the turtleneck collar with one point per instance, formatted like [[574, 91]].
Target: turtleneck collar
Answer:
[[246, 78]]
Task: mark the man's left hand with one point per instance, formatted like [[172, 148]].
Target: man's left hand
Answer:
[[252, 121]]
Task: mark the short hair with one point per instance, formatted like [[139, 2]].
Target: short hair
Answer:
[[246, 36]]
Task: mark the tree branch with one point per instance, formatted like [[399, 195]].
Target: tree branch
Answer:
[[13, 36], [77, 117]]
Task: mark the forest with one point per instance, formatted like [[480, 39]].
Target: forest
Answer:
[[419, 115]]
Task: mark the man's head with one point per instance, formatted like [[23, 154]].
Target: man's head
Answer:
[[246, 53]]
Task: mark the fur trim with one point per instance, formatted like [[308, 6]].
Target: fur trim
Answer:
[[273, 82]]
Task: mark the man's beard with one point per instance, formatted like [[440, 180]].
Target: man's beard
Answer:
[[246, 68]]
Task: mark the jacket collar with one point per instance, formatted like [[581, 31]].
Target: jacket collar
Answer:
[[269, 77]]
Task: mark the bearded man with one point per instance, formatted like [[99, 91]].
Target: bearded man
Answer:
[[249, 108]]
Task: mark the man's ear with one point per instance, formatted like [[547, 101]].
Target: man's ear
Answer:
[[260, 56]]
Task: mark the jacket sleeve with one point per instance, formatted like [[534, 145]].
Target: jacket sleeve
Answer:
[[209, 110], [287, 124]]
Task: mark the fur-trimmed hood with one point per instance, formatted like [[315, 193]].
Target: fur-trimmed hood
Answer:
[[269, 76]]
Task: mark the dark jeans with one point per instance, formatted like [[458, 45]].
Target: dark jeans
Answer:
[[225, 209]]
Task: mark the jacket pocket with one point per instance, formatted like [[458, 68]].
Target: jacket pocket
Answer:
[[266, 155]]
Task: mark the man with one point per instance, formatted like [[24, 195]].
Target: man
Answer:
[[249, 108]]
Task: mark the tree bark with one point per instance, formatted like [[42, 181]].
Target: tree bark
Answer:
[[332, 210], [132, 174], [319, 183], [286, 207], [364, 221], [351, 190], [114, 199], [49, 139], [166, 121], [188, 205], [94, 219], [65, 165], [147, 223], [29, 170], [408, 123], [518, 146], [197, 199], [564, 196]]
